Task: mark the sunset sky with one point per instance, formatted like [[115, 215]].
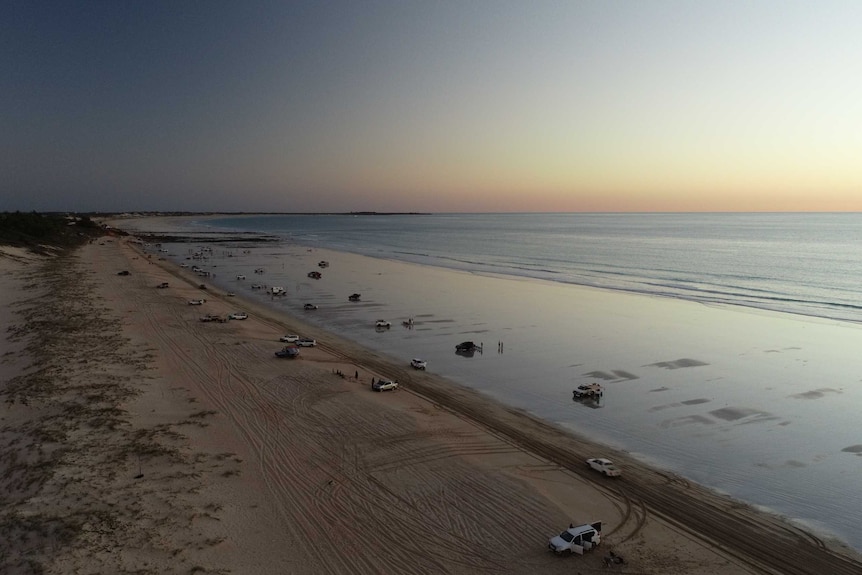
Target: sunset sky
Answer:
[[478, 106]]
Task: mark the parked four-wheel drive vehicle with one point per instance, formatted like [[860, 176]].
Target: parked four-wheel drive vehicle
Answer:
[[593, 390], [288, 352], [467, 346], [384, 385], [577, 539], [604, 466]]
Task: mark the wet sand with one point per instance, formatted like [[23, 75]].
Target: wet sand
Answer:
[[209, 455], [730, 397]]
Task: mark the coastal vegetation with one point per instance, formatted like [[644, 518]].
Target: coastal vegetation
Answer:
[[82, 482], [44, 232]]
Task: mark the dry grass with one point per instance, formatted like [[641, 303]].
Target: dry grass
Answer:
[[80, 485]]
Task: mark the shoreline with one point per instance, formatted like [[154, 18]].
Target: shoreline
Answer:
[[733, 358], [732, 393], [406, 376], [433, 436], [178, 225]]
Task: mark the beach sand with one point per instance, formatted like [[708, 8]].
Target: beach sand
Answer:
[[137, 439]]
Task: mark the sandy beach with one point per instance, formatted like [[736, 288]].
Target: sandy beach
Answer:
[[138, 439]]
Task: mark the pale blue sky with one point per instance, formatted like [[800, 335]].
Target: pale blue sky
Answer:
[[431, 106]]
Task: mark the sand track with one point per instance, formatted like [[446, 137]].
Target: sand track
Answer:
[[432, 479], [761, 541], [337, 473]]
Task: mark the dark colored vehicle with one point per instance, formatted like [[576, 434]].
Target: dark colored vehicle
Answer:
[[467, 346], [288, 352]]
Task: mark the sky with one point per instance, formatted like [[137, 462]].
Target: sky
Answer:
[[431, 106]]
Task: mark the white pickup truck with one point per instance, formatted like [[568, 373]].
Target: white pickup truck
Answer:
[[577, 539]]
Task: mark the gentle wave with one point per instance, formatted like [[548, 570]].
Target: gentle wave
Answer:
[[752, 260]]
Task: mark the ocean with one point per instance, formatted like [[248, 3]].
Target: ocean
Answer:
[[727, 343], [808, 264]]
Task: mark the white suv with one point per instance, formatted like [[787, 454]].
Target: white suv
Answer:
[[604, 466], [577, 539]]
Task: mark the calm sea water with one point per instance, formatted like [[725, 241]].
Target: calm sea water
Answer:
[[758, 405], [807, 264]]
